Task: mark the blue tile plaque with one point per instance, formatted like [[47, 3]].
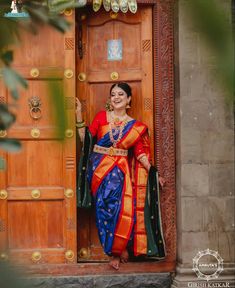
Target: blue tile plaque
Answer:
[[115, 50]]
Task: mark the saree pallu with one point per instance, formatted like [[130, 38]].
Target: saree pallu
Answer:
[[126, 198]]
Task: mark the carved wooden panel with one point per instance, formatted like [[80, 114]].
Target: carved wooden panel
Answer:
[[164, 116], [51, 55], [70, 162], [2, 99], [44, 230], [33, 218], [146, 45], [69, 43], [2, 225], [147, 104]]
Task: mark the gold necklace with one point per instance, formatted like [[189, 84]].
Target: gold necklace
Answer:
[[116, 128], [117, 119]]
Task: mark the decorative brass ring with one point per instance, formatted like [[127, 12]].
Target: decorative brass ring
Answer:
[[34, 111], [114, 76], [35, 132], [68, 12], [83, 253], [69, 255], [69, 133], [81, 77], [36, 256], [3, 133], [3, 194], [68, 73], [35, 194], [34, 72], [3, 257], [69, 193], [35, 104]]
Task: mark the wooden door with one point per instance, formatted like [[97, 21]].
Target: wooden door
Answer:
[[134, 65], [38, 211]]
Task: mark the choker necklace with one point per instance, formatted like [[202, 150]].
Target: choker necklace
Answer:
[[117, 119]]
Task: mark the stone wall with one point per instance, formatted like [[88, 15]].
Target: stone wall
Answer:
[[205, 153]]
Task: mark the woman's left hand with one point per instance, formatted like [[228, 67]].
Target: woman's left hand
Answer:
[[162, 181]]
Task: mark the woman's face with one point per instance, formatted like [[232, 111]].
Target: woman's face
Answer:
[[119, 98]]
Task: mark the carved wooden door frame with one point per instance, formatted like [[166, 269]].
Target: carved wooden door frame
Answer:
[[164, 132]]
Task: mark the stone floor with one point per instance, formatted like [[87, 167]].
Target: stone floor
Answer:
[[146, 280]]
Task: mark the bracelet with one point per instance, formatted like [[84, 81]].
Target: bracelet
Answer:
[[80, 122], [80, 125]]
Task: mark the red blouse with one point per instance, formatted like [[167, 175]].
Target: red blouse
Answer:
[[100, 119]]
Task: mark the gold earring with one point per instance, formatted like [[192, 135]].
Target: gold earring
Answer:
[[128, 106], [108, 106]]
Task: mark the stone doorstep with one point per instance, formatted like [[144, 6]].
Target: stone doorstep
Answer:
[[145, 280]]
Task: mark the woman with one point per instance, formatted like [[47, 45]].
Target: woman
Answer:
[[122, 181]]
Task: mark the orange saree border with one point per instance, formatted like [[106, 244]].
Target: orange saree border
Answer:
[[141, 177], [104, 129], [140, 236], [126, 216], [136, 131], [104, 167]]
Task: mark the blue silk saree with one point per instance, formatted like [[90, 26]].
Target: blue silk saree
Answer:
[[125, 196]]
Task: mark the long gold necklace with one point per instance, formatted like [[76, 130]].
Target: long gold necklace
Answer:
[[117, 124]]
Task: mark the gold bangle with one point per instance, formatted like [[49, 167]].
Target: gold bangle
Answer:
[[80, 125], [80, 122]]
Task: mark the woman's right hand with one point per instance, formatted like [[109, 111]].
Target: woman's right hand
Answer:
[[78, 110]]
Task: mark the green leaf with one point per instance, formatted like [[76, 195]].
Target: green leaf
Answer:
[[7, 57], [2, 163], [5, 7], [38, 15], [12, 79], [11, 277], [6, 117], [15, 94], [59, 23], [59, 5], [8, 32], [38, 11], [10, 145]]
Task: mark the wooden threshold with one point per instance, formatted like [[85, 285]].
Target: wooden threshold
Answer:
[[84, 269]]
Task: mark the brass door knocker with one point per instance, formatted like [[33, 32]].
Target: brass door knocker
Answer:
[[35, 107]]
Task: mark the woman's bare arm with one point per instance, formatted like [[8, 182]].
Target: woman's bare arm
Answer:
[[78, 111]]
